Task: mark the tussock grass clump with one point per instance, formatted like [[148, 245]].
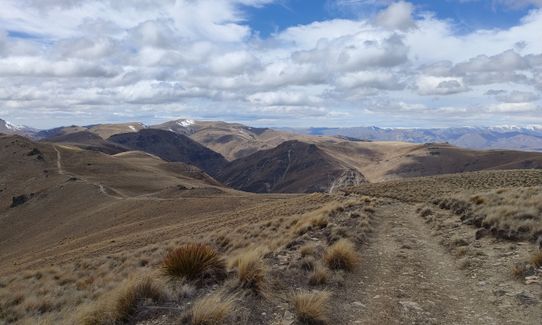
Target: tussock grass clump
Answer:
[[194, 262], [320, 222], [312, 307], [319, 275], [120, 304], [342, 256], [212, 310], [317, 219], [251, 271]]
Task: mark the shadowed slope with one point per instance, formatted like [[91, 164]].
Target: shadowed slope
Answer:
[[171, 146], [291, 167]]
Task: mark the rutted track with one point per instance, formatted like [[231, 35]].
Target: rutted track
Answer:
[[406, 277]]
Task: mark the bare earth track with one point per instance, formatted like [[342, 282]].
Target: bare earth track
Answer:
[[407, 277]]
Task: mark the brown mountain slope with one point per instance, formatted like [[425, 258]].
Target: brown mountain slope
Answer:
[[172, 146], [380, 161], [104, 131], [436, 159], [377, 161], [54, 194], [232, 140], [293, 166], [88, 141]]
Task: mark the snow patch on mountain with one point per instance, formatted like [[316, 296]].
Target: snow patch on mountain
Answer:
[[186, 123]]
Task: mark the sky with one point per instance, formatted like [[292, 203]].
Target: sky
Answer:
[[292, 63]]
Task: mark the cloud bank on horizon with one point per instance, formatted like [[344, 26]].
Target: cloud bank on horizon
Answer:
[[364, 62]]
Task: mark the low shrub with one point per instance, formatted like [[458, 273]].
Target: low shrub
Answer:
[[194, 262], [211, 310], [342, 256], [312, 307]]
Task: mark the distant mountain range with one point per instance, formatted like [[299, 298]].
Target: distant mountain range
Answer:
[[500, 137], [497, 137], [269, 160], [10, 128]]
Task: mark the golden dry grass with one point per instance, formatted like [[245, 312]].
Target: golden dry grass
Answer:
[[312, 307], [121, 303], [194, 262], [212, 310], [251, 271], [342, 256], [507, 213], [308, 250], [319, 275]]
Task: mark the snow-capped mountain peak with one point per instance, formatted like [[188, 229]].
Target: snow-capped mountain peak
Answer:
[[185, 123], [11, 126]]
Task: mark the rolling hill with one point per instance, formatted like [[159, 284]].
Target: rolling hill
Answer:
[[293, 166], [232, 140], [72, 192], [89, 141], [104, 131], [483, 138], [171, 146]]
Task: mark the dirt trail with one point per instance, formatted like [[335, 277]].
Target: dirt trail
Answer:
[[105, 191], [59, 161], [408, 278]]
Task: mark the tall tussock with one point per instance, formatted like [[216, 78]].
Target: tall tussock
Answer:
[[251, 271], [194, 262], [342, 256], [214, 309], [121, 304], [312, 307]]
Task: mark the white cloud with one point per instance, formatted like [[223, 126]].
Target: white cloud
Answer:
[[106, 60], [383, 80], [429, 85], [513, 108], [284, 98], [38, 67], [396, 16]]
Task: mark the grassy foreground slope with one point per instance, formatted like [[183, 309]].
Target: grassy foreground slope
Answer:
[[89, 238]]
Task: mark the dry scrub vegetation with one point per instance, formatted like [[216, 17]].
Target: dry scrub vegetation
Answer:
[[506, 213], [423, 189], [244, 275], [494, 229], [312, 307]]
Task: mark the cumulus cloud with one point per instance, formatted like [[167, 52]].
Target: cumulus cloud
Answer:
[[396, 16], [383, 80], [111, 60], [430, 85]]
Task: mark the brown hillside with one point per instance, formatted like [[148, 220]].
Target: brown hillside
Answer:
[[293, 166], [172, 146], [89, 141]]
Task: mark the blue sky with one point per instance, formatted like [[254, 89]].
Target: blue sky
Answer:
[[467, 15], [272, 62]]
